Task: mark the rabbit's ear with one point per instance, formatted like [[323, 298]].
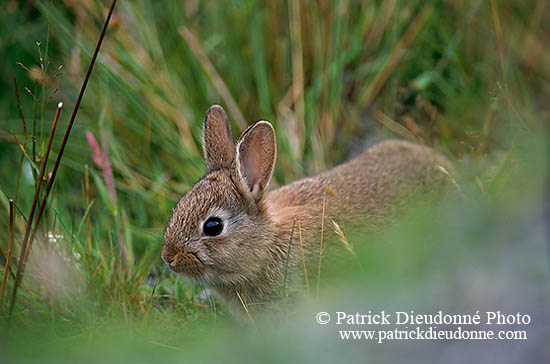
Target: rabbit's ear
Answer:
[[218, 144], [256, 155]]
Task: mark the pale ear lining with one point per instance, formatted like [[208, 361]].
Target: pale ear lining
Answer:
[[218, 143], [255, 157]]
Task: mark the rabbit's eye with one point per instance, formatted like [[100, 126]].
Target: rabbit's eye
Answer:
[[213, 226]]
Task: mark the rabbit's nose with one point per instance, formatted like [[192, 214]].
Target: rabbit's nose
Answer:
[[185, 262], [168, 254], [173, 260]]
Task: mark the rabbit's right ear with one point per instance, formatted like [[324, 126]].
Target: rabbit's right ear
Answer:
[[218, 144]]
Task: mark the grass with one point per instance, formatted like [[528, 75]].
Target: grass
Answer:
[[468, 78]]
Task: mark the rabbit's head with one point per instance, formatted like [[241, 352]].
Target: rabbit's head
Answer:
[[220, 229]]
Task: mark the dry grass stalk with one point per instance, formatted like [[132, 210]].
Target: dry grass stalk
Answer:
[[303, 258], [88, 222], [217, 80], [246, 309], [321, 246], [366, 97], [342, 237]]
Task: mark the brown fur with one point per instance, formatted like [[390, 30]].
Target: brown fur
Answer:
[[250, 256]]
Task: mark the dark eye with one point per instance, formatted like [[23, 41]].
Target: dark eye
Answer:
[[213, 226]]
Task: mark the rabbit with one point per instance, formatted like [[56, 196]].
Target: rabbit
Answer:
[[232, 235]]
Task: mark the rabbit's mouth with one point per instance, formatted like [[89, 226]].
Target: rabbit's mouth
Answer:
[[186, 262]]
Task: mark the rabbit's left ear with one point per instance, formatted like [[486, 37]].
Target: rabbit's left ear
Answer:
[[255, 158], [218, 144]]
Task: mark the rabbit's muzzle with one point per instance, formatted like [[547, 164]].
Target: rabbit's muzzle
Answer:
[[183, 261]]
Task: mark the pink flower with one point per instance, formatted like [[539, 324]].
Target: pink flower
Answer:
[[97, 155]]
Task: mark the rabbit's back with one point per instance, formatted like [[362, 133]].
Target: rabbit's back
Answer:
[[366, 190]]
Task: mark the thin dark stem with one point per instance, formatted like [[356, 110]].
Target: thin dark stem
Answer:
[[21, 266], [26, 137], [19, 175], [33, 136], [20, 108], [10, 248]]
